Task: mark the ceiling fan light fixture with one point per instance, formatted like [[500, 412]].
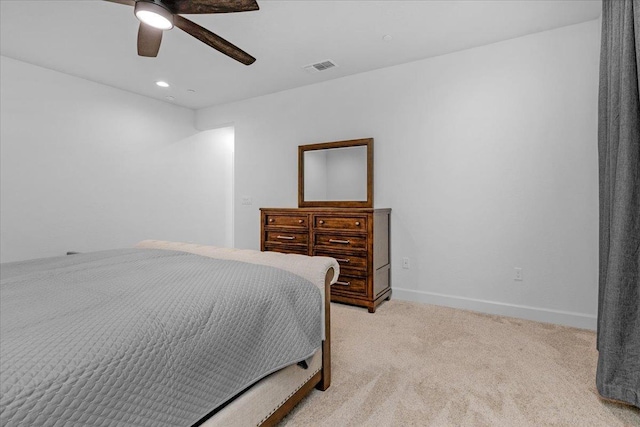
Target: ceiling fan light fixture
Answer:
[[154, 14]]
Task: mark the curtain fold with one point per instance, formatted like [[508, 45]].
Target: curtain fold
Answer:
[[618, 372]]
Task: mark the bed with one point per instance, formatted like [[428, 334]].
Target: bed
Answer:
[[163, 334]]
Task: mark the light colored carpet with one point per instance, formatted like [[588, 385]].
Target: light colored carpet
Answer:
[[422, 365]]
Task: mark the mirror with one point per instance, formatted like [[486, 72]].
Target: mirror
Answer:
[[336, 174]]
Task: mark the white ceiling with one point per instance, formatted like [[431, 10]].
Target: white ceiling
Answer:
[[96, 40]]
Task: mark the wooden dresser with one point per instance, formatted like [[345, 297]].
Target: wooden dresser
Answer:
[[358, 238]]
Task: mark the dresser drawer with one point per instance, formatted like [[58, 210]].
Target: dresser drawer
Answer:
[[279, 220], [355, 223], [286, 237], [358, 262], [340, 242], [351, 284], [287, 249]]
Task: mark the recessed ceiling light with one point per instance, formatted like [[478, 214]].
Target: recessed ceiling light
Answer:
[[387, 38], [162, 84], [191, 91], [170, 98]]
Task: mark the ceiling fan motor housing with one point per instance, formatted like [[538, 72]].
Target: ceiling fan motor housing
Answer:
[[154, 13]]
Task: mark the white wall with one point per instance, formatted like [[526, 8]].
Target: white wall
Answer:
[[88, 167], [488, 158]]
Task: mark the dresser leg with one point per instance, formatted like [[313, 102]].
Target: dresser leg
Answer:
[[371, 309]]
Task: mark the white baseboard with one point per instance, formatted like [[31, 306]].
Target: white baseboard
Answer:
[[567, 318]]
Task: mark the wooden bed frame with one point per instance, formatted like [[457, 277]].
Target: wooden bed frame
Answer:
[[249, 408], [321, 380]]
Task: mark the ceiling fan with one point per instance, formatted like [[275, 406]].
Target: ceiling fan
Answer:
[[156, 16]]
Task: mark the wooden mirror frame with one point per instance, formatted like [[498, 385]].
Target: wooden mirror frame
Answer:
[[368, 142]]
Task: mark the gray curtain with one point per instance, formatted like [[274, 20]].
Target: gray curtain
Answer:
[[618, 375]]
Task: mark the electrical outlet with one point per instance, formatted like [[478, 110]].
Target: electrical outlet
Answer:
[[517, 274], [405, 263], [246, 200]]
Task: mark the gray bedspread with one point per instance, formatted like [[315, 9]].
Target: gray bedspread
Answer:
[[144, 337]]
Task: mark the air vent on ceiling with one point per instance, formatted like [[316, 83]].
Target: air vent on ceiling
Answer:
[[320, 66]]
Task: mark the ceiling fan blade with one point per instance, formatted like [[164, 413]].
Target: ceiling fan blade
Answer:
[[149, 39], [127, 2], [213, 40], [211, 6]]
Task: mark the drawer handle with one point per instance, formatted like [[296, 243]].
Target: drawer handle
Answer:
[[286, 237], [358, 223], [300, 221], [343, 283], [344, 242], [345, 260], [271, 220], [321, 222]]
